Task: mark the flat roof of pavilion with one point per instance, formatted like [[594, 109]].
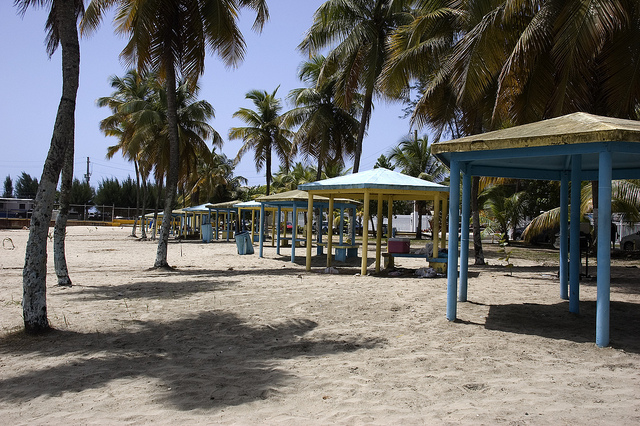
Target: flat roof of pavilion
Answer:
[[542, 150]]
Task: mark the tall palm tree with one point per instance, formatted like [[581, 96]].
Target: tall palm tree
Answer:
[[327, 131], [361, 30], [265, 133], [413, 157], [132, 97], [61, 28], [171, 37]]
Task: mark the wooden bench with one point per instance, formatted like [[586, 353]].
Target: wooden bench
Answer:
[[388, 258], [343, 251], [285, 241]]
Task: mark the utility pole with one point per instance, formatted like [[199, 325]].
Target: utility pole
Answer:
[[88, 175]]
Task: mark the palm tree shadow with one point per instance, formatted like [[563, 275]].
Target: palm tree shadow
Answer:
[[211, 360]]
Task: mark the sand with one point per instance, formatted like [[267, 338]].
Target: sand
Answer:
[[235, 339]]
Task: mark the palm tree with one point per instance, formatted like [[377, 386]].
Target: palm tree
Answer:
[[327, 132], [131, 98], [265, 133], [214, 180], [60, 227], [413, 157], [625, 199], [171, 37], [288, 180], [502, 212], [139, 120], [361, 30], [61, 27]]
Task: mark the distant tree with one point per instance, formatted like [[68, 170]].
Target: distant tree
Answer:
[[264, 132], [26, 186], [384, 162], [81, 193], [413, 156], [8, 188], [327, 132], [503, 211], [108, 193]]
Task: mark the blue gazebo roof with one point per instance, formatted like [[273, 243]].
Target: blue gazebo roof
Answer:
[[376, 180]]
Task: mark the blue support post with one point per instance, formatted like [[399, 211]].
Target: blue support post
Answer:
[[604, 247], [464, 237], [454, 213], [564, 233], [574, 237], [261, 230], [278, 229]]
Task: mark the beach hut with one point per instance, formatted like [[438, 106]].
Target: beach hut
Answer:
[[195, 217], [568, 149], [383, 185], [254, 207], [295, 201], [223, 216]]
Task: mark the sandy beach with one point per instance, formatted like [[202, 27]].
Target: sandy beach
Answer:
[[229, 339]]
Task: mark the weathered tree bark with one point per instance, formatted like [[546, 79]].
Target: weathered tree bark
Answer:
[[174, 157], [143, 224], [268, 167], [34, 274], [418, 210], [60, 230], [155, 211], [364, 122], [135, 220], [477, 237]]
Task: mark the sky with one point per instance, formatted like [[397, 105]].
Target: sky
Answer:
[[32, 88]]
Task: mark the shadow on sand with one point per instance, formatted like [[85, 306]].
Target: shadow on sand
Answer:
[[211, 360], [556, 322]]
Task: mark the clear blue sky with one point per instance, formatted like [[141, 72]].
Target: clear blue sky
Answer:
[[32, 85]]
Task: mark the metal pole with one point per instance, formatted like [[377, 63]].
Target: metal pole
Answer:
[[454, 212]]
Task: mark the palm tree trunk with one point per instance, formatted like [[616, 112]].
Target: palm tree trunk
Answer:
[[477, 237], [143, 226], [135, 219], [34, 299], [364, 122], [155, 211], [268, 167], [174, 158], [60, 230], [319, 171]]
